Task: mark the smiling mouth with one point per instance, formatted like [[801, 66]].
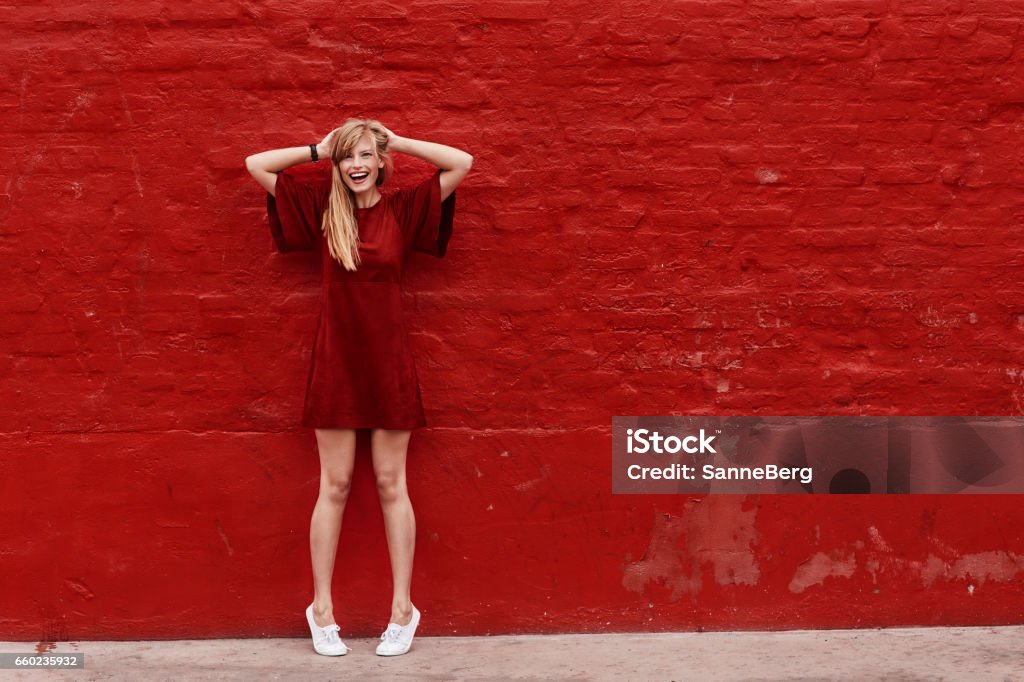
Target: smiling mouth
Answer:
[[359, 178]]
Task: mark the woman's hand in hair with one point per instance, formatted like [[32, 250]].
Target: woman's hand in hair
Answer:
[[323, 150], [393, 140]]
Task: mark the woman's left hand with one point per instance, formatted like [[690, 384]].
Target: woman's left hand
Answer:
[[392, 138]]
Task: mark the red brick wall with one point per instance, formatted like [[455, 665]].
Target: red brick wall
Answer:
[[685, 207]]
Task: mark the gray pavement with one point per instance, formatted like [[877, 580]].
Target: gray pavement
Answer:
[[977, 653]]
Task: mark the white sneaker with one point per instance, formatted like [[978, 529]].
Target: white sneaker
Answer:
[[397, 639], [325, 640]]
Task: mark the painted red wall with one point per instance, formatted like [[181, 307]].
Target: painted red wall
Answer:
[[688, 208]]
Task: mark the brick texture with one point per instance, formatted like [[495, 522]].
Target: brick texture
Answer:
[[675, 208]]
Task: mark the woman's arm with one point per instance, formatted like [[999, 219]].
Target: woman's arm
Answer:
[[265, 166], [454, 163]]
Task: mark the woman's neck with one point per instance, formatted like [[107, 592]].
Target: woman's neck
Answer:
[[372, 201]]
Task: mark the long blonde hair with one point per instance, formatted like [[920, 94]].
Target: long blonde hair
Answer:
[[339, 222]]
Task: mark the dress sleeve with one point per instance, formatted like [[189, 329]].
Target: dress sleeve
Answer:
[[295, 213], [426, 221]]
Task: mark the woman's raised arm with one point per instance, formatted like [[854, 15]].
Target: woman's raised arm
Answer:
[[265, 166], [454, 163]]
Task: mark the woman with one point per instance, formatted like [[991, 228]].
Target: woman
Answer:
[[362, 373]]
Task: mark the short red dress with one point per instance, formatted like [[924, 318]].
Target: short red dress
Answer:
[[362, 373]]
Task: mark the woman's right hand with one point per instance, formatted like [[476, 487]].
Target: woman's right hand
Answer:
[[323, 150]]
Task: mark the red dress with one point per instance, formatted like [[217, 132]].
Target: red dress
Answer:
[[362, 373]]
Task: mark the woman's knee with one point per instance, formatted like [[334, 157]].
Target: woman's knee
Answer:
[[337, 459], [390, 485], [335, 486]]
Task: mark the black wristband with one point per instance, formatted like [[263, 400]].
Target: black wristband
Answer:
[[312, 152]]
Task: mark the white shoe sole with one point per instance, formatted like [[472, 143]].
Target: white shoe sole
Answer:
[[394, 653]]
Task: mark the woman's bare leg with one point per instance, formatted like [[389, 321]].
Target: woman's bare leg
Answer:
[[389, 451], [337, 449]]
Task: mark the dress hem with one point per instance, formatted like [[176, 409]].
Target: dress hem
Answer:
[[364, 425]]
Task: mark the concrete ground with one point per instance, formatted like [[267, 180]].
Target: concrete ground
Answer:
[[979, 653]]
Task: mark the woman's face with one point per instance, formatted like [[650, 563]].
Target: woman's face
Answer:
[[361, 166]]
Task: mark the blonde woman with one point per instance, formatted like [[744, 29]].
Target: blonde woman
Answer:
[[362, 373]]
